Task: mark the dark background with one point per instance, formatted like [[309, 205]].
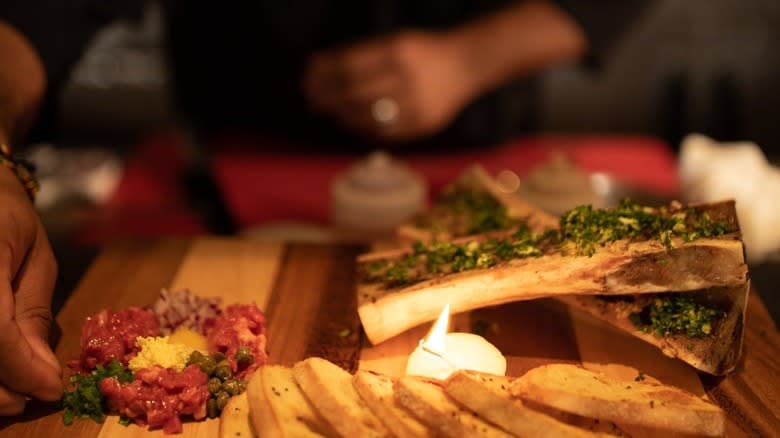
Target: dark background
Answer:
[[709, 66]]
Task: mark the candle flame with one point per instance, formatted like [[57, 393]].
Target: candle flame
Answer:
[[435, 338]]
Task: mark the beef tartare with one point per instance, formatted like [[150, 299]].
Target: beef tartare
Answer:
[[161, 394]]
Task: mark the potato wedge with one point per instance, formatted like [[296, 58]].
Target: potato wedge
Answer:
[[488, 396], [234, 421], [426, 400], [278, 408], [377, 391], [576, 390], [329, 389]]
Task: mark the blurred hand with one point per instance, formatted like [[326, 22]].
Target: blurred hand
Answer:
[[27, 275], [419, 75]]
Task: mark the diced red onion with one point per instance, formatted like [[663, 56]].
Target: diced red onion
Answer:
[[183, 308]]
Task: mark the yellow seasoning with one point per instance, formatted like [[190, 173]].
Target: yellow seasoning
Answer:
[[189, 338], [159, 351]]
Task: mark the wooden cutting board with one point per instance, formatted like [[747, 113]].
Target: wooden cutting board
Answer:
[[307, 293]]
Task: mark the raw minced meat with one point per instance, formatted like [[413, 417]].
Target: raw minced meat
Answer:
[[159, 396], [242, 325], [111, 335]]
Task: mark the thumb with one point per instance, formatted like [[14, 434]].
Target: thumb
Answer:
[[36, 332], [24, 371], [25, 317]]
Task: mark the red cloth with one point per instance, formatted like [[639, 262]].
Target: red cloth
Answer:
[[262, 186]]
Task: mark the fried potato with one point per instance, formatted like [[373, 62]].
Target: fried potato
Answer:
[[427, 400], [278, 408], [488, 396], [377, 391], [234, 421], [329, 389], [576, 390]]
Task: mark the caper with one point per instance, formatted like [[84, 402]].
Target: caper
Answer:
[[195, 357], [215, 385], [218, 356], [207, 365], [244, 355], [223, 370], [232, 387], [212, 410], [222, 400], [242, 385]]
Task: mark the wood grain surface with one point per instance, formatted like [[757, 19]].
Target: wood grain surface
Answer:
[[307, 293]]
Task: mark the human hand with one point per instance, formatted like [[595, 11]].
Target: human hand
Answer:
[[415, 79], [27, 274]]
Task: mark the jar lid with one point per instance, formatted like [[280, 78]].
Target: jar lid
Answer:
[[557, 186], [377, 193]]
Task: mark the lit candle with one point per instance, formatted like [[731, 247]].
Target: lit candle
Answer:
[[440, 353]]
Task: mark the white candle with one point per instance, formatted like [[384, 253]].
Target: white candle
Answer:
[[441, 353]]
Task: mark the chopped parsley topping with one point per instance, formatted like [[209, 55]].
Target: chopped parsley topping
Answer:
[[448, 257], [582, 230], [85, 399], [465, 212], [676, 314], [588, 228]]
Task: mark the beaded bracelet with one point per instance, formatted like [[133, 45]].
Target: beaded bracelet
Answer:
[[22, 169]]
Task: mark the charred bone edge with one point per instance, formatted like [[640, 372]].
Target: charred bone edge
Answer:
[[636, 269], [477, 177], [716, 354]]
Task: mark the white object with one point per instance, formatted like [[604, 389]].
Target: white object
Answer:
[[558, 185], [442, 353], [385, 111], [712, 171], [376, 195]]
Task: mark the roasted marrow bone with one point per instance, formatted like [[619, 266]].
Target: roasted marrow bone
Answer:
[[703, 328], [400, 289], [474, 204]]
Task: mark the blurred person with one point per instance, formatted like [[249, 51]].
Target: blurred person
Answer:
[[394, 73], [412, 74]]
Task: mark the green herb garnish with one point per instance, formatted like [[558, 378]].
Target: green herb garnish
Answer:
[[464, 212], [447, 257], [582, 230], [85, 399], [676, 314], [588, 228]]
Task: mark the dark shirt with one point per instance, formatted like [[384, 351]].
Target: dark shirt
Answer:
[[238, 64]]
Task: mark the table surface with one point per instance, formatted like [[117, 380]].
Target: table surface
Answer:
[[307, 293]]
